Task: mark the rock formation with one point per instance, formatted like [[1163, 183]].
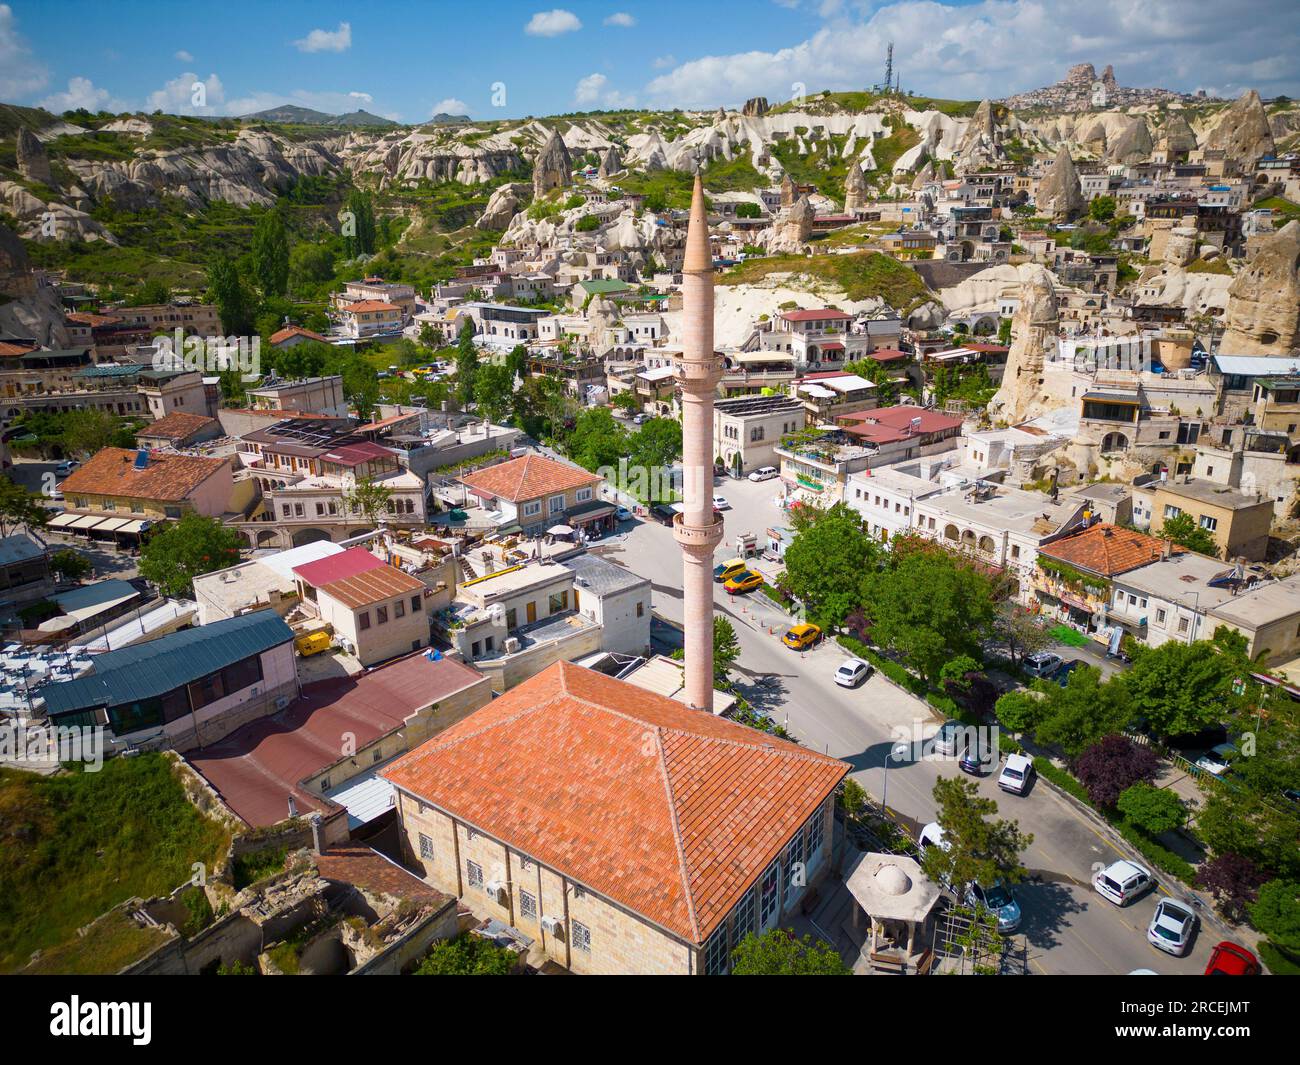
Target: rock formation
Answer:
[[503, 206], [1177, 136], [33, 162], [1242, 133], [979, 144], [28, 309], [1075, 92], [1133, 145], [1060, 195], [855, 189], [787, 191], [792, 228], [1264, 299], [553, 167], [1034, 328], [1180, 248], [755, 107], [610, 163], [924, 175]]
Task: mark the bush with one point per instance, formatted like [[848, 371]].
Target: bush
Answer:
[[1278, 961], [1151, 809], [467, 955], [587, 223], [1108, 768]]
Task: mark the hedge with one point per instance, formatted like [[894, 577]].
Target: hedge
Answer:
[[777, 596], [1278, 963]]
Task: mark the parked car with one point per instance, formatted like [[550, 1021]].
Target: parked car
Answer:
[[720, 503], [65, 467], [1042, 664], [801, 637], [724, 571], [1171, 927], [744, 581], [1063, 671], [999, 900], [977, 758], [1017, 774], [1123, 881], [640, 419], [932, 836], [622, 514], [852, 672], [1218, 759], [663, 513], [1231, 959], [763, 473], [946, 739]]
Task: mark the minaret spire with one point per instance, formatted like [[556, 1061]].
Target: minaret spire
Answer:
[[696, 529]]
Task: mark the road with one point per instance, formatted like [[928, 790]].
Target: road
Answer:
[[1069, 928]]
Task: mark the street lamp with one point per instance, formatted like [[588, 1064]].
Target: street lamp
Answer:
[[895, 752]]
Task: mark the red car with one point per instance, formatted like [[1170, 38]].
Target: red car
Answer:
[[1228, 959]]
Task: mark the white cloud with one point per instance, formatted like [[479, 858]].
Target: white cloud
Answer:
[[449, 106], [20, 71], [184, 56], [81, 92], [178, 95], [594, 92], [664, 62], [339, 40], [552, 23], [993, 48], [621, 18], [364, 97]]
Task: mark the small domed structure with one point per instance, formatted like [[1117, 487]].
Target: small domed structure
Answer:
[[891, 880]]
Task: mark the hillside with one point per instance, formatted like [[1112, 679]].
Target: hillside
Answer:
[[292, 114]]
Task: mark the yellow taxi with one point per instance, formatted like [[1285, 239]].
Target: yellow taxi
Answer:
[[313, 643], [724, 571], [801, 637], [744, 581]]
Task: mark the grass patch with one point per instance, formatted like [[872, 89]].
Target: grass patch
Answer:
[[1068, 636], [1279, 964], [1211, 266], [257, 865], [73, 846], [866, 275], [111, 943], [1280, 205]]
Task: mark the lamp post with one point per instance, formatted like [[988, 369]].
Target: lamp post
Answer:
[[896, 751]]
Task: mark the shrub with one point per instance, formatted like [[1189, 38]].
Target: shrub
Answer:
[[467, 955], [1234, 881], [1153, 810], [1108, 768]]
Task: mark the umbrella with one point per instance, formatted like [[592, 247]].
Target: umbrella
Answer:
[[560, 530]]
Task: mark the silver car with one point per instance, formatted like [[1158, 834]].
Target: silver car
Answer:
[[1171, 927]]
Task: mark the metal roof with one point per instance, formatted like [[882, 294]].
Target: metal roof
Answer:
[[1257, 365], [156, 667]]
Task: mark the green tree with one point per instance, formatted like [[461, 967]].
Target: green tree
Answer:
[[929, 605], [540, 405], [828, 561], [271, 254], [1153, 810], [597, 440], [70, 565], [657, 443], [1240, 821], [1184, 531], [187, 549], [1276, 913], [89, 429], [1180, 688], [1023, 633], [19, 508], [778, 952], [467, 364], [369, 499], [1020, 711], [226, 290], [1083, 712], [976, 849], [494, 390], [726, 647], [357, 222], [1102, 209], [626, 401], [467, 955]]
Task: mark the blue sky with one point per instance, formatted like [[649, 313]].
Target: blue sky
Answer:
[[406, 59]]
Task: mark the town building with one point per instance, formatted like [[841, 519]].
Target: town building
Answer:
[[179, 430], [311, 395], [748, 428], [534, 493], [1239, 522]]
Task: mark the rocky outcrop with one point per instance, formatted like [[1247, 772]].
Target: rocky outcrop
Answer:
[[755, 107], [1034, 329], [1177, 137], [611, 163], [1133, 145], [553, 167], [33, 161], [923, 176], [787, 192], [1264, 299], [1077, 92], [503, 205], [1180, 248], [792, 228], [1242, 133], [38, 220], [979, 145], [27, 310], [855, 189], [1060, 194]]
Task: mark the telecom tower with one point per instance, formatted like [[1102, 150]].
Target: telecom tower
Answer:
[[889, 66]]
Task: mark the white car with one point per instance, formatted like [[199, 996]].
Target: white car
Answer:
[[932, 836], [1042, 664], [949, 738], [65, 467], [1217, 760], [720, 503], [1123, 881], [763, 473], [852, 672], [1016, 774], [1171, 927]]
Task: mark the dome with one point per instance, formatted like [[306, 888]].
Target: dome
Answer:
[[893, 881]]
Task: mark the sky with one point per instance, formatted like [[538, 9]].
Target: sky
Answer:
[[508, 59]]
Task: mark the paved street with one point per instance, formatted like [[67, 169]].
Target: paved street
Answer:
[[1070, 929]]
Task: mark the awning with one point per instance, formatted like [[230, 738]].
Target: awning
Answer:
[[1078, 604], [131, 527], [86, 521], [61, 521], [112, 524]]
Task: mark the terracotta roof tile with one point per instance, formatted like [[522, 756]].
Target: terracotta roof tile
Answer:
[[1107, 549], [369, 305], [372, 586], [529, 477], [280, 336], [167, 477], [175, 426], [668, 811]]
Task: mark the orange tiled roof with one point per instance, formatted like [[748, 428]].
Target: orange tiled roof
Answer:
[[168, 478], [7, 348], [369, 305], [175, 426], [668, 811], [529, 477], [1106, 549], [92, 320], [295, 331], [372, 586]]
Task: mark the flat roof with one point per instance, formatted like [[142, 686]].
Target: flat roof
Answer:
[[1182, 578], [1265, 603], [1212, 492]]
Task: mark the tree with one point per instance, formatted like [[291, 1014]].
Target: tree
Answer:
[[1151, 809], [778, 952], [19, 508], [226, 290], [657, 443], [748, 210], [827, 562], [853, 797], [88, 430], [1102, 209], [467, 955], [1184, 531], [1020, 711], [187, 549], [929, 605], [1109, 768], [1276, 913], [726, 647], [467, 364], [271, 254], [369, 499], [597, 440], [626, 401], [70, 565], [1180, 688], [1234, 881], [1083, 712], [976, 850], [1240, 821], [358, 224], [494, 388], [1023, 633]]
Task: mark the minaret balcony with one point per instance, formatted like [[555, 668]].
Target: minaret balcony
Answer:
[[708, 536]]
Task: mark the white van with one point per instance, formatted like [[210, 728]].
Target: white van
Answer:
[[1123, 881], [763, 473]]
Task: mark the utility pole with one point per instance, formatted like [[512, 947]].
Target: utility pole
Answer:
[[889, 66]]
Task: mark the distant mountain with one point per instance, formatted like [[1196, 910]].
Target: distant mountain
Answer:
[[292, 114], [444, 119]]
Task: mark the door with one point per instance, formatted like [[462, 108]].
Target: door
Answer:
[[532, 612]]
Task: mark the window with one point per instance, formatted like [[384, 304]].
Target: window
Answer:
[[1209, 523], [559, 601], [399, 609], [556, 504], [527, 905], [1182, 624], [363, 620], [793, 857], [584, 494], [742, 917], [474, 873], [172, 512], [715, 952], [531, 509], [426, 848], [1171, 512], [381, 615], [512, 618], [816, 832], [771, 879], [581, 937], [1160, 617], [640, 610]]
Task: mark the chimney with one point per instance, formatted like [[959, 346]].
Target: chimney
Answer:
[[293, 807], [1166, 548], [315, 833]]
